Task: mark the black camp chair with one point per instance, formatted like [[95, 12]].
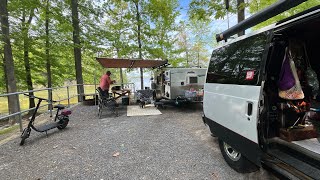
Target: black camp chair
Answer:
[[106, 101], [145, 97]]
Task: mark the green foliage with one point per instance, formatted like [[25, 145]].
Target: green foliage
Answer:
[[195, 40], [162, 15], [209, 10], [108, 26], [9, 129], [258, 5]]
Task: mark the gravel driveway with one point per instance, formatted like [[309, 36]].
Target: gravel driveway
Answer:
[[174, 145]]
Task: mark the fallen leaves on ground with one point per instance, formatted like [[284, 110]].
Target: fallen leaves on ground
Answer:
[[116, 154]]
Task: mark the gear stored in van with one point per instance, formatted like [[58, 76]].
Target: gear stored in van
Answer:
[[255, 126]]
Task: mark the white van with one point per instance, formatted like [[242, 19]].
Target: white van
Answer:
[[242, 108]]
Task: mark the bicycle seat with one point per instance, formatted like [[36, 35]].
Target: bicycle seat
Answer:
[[59, 106]]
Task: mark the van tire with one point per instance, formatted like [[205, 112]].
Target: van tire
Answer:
[[235, 159]]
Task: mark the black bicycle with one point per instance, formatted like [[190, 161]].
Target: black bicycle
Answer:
[[61, 120]]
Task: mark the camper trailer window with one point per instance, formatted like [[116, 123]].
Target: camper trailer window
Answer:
[[193, 80], [230, 64]]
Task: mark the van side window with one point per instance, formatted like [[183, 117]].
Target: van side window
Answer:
[[237, 63]]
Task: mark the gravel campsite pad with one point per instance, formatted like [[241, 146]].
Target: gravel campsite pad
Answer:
[[173, 145]]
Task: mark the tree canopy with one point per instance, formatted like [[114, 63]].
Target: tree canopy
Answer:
[[41, 35]]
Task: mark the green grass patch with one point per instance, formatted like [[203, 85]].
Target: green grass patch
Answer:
[[57, 95], [9, 129]]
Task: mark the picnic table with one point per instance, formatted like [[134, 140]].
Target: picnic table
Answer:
[[119, 93]]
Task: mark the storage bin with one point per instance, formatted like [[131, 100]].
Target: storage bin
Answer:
[[125, 100]]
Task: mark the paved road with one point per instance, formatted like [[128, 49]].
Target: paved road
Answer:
[[174, 145]]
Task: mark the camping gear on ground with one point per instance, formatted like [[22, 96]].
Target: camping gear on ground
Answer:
[[289, 84], [307, 132], [194, 95], [145, 97], [190, 94], [125, 100]]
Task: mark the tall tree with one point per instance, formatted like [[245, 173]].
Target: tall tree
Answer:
[[77, 47], [27, 16], [118, 30], [164, 30], [200, 30], [47, 50], [138, 24], [8, 61], [184, 43], [240, 12], [22, 15], [210, 10]]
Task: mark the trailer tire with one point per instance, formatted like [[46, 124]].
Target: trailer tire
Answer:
[[235, 159]]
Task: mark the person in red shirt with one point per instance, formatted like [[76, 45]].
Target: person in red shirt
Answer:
[[105, 82]]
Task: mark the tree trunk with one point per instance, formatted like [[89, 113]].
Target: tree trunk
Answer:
[[187, 56], [198, 58], [241, 15], [48, 61], [139, 41], [25, 30], [121, 74], [121, 78], [77, 48], [13, 100]]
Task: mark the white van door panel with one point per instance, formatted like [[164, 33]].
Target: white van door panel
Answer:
[[227, 105]]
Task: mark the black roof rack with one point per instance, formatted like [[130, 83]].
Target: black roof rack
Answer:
[[267, 13], [299, 14]]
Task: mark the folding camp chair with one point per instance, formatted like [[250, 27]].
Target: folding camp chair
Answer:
[[106, 101], [145, 96]]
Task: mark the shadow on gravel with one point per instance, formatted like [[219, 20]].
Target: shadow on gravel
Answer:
[[35, 137], [106, 113], [186, 108]]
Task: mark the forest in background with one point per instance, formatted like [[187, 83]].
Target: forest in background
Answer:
[[109, 28], [55, 41]]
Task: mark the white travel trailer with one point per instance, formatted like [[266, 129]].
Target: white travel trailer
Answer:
[[180, 84], [242, 103]]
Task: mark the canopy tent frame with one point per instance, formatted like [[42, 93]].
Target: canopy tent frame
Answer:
[[129, 63]]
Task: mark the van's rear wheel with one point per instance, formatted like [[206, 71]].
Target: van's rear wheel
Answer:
[[235, 159]]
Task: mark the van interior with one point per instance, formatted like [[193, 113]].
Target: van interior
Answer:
[[291, 128]]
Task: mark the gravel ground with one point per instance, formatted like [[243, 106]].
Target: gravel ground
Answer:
[[174, 145]]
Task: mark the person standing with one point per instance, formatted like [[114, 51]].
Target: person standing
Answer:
[[105, 82]]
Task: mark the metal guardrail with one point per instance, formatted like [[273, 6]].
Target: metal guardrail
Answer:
[[49, 97], [50, 91]]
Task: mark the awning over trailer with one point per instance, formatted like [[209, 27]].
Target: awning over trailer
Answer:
[[130, 63]]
